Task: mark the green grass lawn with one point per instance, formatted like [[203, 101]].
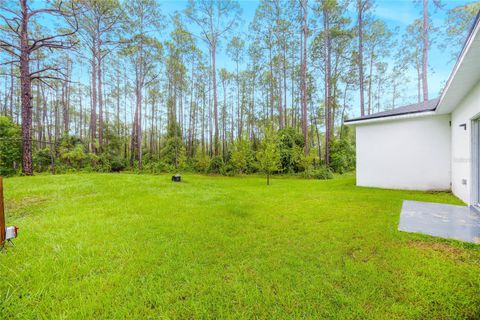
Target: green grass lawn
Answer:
[[111, 246]]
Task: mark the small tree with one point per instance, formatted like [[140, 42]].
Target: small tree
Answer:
[[173, 153], [242, 155], [268, 156], [307, 162]]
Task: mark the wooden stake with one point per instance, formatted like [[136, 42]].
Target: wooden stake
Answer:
[[2, 214]]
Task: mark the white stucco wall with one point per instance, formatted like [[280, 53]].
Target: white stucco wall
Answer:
[[412, 153], [465, 112]]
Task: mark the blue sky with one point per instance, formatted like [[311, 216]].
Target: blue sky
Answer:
[[402, 13], [396, 13]]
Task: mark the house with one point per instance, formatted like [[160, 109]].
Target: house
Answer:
[[428, 146]]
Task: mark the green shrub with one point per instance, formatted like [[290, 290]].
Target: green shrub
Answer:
[[74, 157], [118, 164], [228, 170], [10, 146], [42, 159], [290, 148], [93, 161], [307, 163], [322, 173], [200, 163], [73, 153], [242, 157], [215, 166], [342, 156]]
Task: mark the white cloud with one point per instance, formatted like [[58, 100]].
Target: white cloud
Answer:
[[396, 11]]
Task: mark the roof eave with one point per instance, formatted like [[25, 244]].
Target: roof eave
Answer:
[[391, 118], [441, 108]]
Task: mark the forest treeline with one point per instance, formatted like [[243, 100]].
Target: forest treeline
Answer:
[[109, 85]]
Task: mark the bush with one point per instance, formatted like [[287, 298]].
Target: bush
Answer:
[[307, 162], [155, 167], [72, 152], [290, 148], [216, 165], [242, 156], [42, 159], [342, 156], [93, 160], [322, 173], [228, 170], [117, 164], [200, 163], [10, 148]]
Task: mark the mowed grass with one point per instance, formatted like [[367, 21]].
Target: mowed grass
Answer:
[[114, 246]]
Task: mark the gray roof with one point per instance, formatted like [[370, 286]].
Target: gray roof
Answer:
[[429, 105]]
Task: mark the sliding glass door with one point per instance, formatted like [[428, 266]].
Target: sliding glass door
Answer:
[[476, 141]]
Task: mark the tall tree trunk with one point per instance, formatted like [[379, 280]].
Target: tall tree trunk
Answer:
[[204, 105], [45, 117], [38, 108], [190, 118], [304, 77], [139, 126], [285, 86], [360, 7], [280, 99], [224, 118], [370, 84], [55, 111], [215, 111], [139, 98], [252, 116], [232, 123], [425, 50], [152, 123], [81, 112], [6, 94], [328, 102], [93, 112], [100, 96], [12, 88], [118, 102], [194, 125], [292, 88], [64, 108], [343, 110], [394, 92], [65, 102], [239, 112], [134, 139], [25, 82], [271, 87]]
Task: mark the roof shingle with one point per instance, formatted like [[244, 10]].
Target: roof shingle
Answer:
[[429, 105]]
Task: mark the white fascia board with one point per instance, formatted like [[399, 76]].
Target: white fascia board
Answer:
[[392, 118]]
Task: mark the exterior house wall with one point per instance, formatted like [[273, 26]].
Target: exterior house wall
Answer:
[[462, 175], [411, 153]]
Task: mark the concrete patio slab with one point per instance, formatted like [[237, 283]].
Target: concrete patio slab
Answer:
[[441, 220]]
